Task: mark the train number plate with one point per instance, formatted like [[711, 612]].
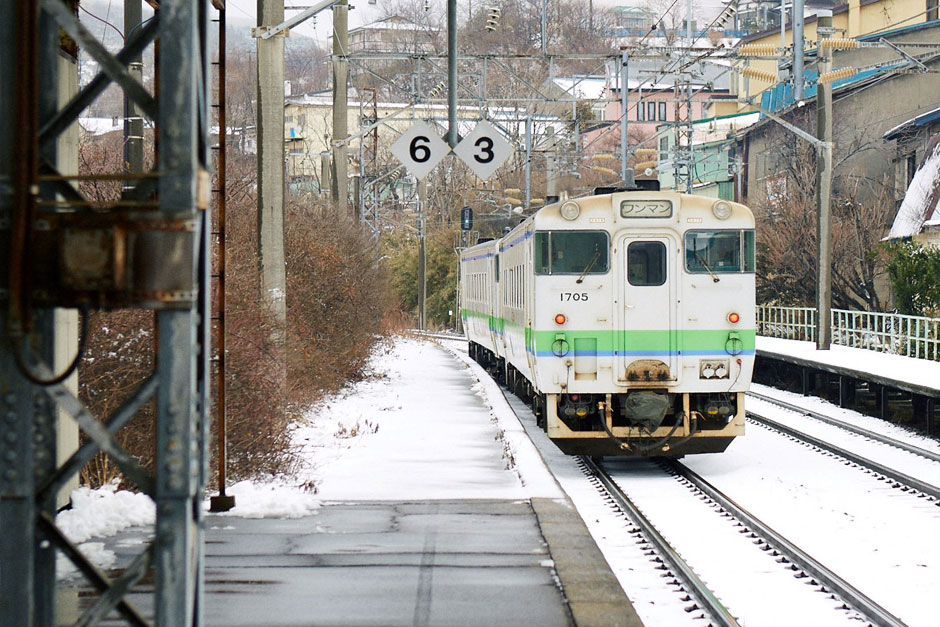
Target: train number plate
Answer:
[[645, 209]]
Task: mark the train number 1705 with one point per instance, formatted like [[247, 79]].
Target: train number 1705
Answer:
[[576, 296]]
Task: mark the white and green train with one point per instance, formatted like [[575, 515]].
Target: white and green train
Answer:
[[626, 319]]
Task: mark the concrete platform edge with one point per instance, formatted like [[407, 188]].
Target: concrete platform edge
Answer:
[[595, 597]]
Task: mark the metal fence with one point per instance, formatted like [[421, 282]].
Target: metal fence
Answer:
[[911, 336]]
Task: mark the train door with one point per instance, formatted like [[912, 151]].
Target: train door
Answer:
[[647, 350]]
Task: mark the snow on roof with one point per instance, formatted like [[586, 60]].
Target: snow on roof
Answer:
[[394, 22], [919, 207], [920, 120], [100, 126], [587, 87]]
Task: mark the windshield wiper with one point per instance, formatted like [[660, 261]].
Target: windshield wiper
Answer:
[[590, 265], [705, 265]]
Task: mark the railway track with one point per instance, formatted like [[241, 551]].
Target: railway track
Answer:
[[786, 553], [871, 435], [902, 480]]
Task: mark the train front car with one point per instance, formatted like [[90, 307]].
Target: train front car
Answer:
[[636, 314]]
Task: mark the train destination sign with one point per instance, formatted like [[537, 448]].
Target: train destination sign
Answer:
[[420, 149], [484, 149], [645, 209]]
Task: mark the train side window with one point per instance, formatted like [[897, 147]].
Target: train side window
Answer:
[[646, 263], [542, 252], [750, 244]]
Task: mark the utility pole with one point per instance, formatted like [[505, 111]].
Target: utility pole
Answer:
[[626, 174], [551, 167], [528, 162], [422, 255], [133, 122], [798, 50], [271, 167], [824, 186], [452, 73], [339, 187]]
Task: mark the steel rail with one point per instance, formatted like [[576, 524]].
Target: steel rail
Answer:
[[859, 601], [910, 448], [907, 480], [695, 585]]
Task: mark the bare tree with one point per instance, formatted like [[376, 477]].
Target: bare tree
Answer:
[[861, 208]]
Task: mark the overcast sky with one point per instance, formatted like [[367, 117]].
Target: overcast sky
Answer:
[[363, 12]]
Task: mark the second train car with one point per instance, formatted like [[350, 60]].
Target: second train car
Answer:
[[626, 319]]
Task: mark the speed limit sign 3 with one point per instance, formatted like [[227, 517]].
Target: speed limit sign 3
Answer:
[[484, 149], [420, 149]]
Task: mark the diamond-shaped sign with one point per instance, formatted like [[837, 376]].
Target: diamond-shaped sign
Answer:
[[484, 149], [420, 149]]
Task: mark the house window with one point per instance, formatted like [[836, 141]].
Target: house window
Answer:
[[651, 111], [639, 111], [911, 167], [663, 148], [662, 111]]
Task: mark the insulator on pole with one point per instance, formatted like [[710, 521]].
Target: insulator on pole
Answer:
[[839, 44], [836, 75], [604, 170], [770, 77], [759, 50], [492, 18]]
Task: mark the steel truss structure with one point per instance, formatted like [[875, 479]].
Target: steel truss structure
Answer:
[[149, 250]]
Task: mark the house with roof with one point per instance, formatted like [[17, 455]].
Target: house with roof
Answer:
[[888, 89], [917, 144], [392, 34], [856, 19], [715, 161]]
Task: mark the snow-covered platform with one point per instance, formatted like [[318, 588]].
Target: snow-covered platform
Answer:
[[417, 503], [919, 377]]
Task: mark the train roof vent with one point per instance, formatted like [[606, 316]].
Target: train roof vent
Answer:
[[644, 185]]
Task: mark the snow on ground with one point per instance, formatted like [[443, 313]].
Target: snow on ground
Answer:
[[428, 423], [419, 426]]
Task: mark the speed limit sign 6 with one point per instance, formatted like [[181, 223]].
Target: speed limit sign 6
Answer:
[[420, 149]]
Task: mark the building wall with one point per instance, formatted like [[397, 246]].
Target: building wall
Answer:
[[862, 114], [871, 18]]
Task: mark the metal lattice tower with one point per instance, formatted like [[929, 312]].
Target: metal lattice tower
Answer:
[[148, 250]]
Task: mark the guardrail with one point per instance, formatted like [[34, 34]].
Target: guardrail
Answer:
[[911, 336]]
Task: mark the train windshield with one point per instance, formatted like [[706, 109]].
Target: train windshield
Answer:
[[717, 252], [571, 252]]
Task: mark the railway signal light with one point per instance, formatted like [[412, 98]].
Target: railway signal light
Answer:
[[466, 218]]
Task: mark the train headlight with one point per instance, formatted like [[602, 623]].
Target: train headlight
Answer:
[[734, 318], [560, 319], [570, 210], [721, 209]]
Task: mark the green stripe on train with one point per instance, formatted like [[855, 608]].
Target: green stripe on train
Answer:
[[609, 340]]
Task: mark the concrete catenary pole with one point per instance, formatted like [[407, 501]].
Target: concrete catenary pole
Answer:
[[133, 122], [626, 174], [340, 174], [824, 187], [271, 166], [528, 162], [452, 73], [551, 167], [798, 50]]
